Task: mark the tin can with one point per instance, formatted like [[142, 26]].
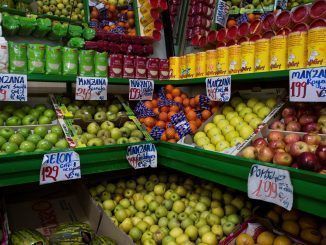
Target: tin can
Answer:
[[316, 47], [278, 53], [234, 59], [201, 64], [174, 68], [262, 47], [247, 57], [183, 67], [297, 50], [191, 65], [222, 61], [211, 63]]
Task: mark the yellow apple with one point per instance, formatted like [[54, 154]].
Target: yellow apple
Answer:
[[245, 111], [254, 123], [240, 107], [216, 138], [258, 106], [213, 131], [209, 147], [236, 140], [235, 101], [217, 118], [271, 102], [227, 129], [235, 121], [203, 141], [222, 123], [252, 102], [199, 135], [231, 114], [222, 145], [263, 112], [227, 109], [246, 131], [230, 135], [208, 126], [240, 125], [248, 117]]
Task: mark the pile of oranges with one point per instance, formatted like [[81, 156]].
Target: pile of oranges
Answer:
[[190, 106]]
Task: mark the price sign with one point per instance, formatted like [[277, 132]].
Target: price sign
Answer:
[[142, 156], [308, 85], [141, 89], [13, 87], [91, 88], [222, 13], [270, 185], [60, 166], [218, 88]]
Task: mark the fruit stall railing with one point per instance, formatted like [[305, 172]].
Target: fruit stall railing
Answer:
[[230, 171]]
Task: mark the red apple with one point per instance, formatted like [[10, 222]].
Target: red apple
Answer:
[[276, 144], [312, 148], [293, 126], [259, 143], [275, 135], [312, 139], [277, 125], [294, 165], [265, 154], [282, 158], [249, 152], [308, 161], [300, 105], [311, 127], [305, 119], [290, 118], [288, 111], [288, 148], [304, 111], [291, 138], [321, 154], [279, 150], [298, 147]]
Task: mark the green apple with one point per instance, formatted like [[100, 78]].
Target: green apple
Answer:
[[34, 138], [4, 115], [246, 131], [44, 120], [35, 113], [95, 142], [240, 125], [26, 109], [228, 227], [41, 131], [271, 103], [235, 219], [2, 121], [227, 109], [113, 109], [10, 108], [178, 206], [217, 118], [252, 102], [123, 140], [203, 141], [2, 141], [222, 123], [93, 128], [41, 108], [227, 129], [257, 107], [248, 117], [236, 140], [115, 133], [57, 130], [49, 113], [231, 114], [254, 123], [209, 147], [16, 138], [44, 145], [240, 107], [231, 135], [134, 140], [52, 138], [125, 132], [216, 138], [19, 113], [235, 121], [27, 146], [9, 147], [245, 111], [222, 145], [62, 144], [209, 126], [24, 132], [235, 101], [192, 232], [29, 120], [213, 131], [13, 121], [131, 125], [263, 112]]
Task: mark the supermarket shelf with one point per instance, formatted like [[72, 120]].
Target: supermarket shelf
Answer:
[[232, 171]]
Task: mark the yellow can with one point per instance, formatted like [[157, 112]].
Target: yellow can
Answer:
[[174, 68], [234, 59], [222, 61], [191, 65], [211, 63], [183, 67], [297, 50], [262, 47], [278, 53], [247, 57], [317, 47], [201, 64]]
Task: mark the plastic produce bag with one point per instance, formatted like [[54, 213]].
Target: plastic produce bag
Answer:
[[89, 34], [17, 58], [101, 64], [10, 25], [86, 62], [27, 26], [36, 54], [43, 26], [53, 60], [58, 31], [76, 42], [69, 61], [3, 55], [75, 31]]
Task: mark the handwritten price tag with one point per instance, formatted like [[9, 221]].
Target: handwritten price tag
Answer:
[[91, 88], [13, 87], [270, 185], [308, 85], [142, 156], [141, 89], [218, 88], [60, 166]]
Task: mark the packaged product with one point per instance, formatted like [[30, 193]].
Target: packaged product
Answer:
[[58, 31], [27, 26], [17, 58], [101, 64], [43, 26], [86, 62], [35, 55], [69, 61], [3, 55], [10, 25], [76, 42], [53, 60]]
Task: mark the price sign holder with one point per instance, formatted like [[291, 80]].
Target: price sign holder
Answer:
[[308, 85], [271, 185], [13, 87], [142, 156], [60, 166], [91, 88], [218, 88], [140, 89]]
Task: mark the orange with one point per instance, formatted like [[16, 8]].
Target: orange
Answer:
[[251, 18], [149, 122], [197, 99], [198, 122], [163, 137], [148, 104], [131, 22], [156, 111], [148, 129], [142, 120], [291, 227], [169, 88], [177, 137], [169, 96], [193, 126], [191, 116], [164, 109], [265, 238], [170, 114], [176, 92], [112, 8], [160, 124], [205, 114], [282, 240], [185, 102], [184, 96], [230, 23], [154, 103], [214, 109], [244, 239], [163, 116], [174, 108], [172, 141], [170, 133], [192, 102], [187, 109], [178, 99]]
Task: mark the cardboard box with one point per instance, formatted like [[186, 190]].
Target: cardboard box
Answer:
[[44, 211]]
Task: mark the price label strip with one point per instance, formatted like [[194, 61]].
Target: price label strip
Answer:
[[142, 156], [60, 166], [13, 87], [218, 88], [91, 88], [308, 85], [141, 89], [271, 185]]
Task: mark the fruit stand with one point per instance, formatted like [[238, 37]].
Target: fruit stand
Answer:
[[162, 122]]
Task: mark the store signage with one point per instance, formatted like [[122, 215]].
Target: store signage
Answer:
[[140, 89], [218, 88], [142, 156], [221, 13], [91, 88], [13, 87], [308, 85], [60, 166], [270, 185]]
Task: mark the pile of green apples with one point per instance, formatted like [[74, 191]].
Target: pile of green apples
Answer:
[[107, 133], [62, 8], [170, 209], [236, 124], [11, 115], [24, 140]]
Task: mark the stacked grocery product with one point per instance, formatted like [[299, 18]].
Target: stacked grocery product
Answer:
[[174, 8]]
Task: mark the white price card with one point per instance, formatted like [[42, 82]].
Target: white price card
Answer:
[[221, 12], [142, 156], [60, 166], [13, 87], [308, 85], [270, 185], [140, 89], [218, 88], [91, 88]]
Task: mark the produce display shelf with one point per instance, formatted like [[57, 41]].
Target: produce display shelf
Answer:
[[232, 171]]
